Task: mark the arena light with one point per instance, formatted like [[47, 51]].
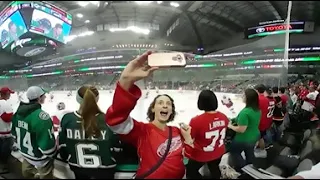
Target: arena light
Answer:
[[83, 3], [79, 15], [97, 3], [174, 4], [87, 21], [72, 37], [131, 28], [87, 33], [143, 2], [159, 2], [86, 3]]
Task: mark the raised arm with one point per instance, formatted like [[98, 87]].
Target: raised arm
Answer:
[[125, 98], [118, 115]]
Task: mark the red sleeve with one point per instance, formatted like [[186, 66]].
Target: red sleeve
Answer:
[[118, 114], [6, 117], [188, 149], [56, 123], [193, 127]]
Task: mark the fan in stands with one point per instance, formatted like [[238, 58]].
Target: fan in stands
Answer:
[[226, 101], [147, 93], [51, 97]]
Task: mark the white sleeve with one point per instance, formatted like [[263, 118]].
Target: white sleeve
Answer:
[[5, 107], [311, 174], [8, 108], [311, 96]]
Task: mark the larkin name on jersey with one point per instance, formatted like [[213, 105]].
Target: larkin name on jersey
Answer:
[[216, 124]]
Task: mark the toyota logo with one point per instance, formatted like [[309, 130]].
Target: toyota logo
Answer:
[[260, 30]]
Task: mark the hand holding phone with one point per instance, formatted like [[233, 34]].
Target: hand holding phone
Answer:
[[184, 126], [175, 59]]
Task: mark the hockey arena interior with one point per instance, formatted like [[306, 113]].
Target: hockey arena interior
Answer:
[[159, 90]]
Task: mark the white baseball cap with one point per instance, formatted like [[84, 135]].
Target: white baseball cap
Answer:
[[34, 92]]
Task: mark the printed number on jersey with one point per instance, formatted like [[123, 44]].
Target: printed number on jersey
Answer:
[[26, 141], [215, 136], [270, 111], [86, 160]]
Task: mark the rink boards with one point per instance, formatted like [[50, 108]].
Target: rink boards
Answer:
[[126, 171]]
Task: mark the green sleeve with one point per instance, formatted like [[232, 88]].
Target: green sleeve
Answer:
[[62, 140], [45, 135], [242, 119]]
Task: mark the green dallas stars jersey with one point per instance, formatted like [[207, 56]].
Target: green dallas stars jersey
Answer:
[[33, 132], [82, 152]]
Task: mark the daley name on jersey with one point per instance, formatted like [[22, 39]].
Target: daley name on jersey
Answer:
[[77, 134]]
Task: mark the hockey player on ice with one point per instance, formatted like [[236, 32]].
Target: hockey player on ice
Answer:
[[57, 117], [51, 97], [147, 93], [69, 93], [157, 89], [228, 103]]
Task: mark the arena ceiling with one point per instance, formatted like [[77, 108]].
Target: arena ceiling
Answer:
[[189, 23], [200, 22]]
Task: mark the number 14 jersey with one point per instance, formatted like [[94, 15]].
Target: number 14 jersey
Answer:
[[208, 131], [86, 152]]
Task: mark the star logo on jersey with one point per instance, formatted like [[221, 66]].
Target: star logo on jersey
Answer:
[[44, 116], [175, 145]]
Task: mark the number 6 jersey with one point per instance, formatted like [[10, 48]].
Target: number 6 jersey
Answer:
[[86, 152]]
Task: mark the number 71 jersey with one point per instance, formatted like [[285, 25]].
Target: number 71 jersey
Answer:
[[208, 131]]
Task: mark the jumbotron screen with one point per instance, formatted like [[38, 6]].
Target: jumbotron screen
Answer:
[[12, 28], [21, 17]]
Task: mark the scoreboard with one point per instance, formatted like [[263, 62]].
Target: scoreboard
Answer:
[[278, 28]]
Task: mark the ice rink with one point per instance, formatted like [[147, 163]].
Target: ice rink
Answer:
[[185, 102]]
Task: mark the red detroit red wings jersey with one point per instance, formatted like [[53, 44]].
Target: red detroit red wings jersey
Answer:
[[150, 141], [266, 107], [208, 131]]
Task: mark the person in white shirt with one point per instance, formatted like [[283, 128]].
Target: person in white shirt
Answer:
[[314, 173], [57, 117], [6, 113], [309, 104], [309, 101], [293, 96]]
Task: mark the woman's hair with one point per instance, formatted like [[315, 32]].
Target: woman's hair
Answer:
[[207, 101], [275, 89], [282, 90], [151, 114], [89, 109], [252, 99]]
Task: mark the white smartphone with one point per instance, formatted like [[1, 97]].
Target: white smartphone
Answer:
[[175, 59]]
